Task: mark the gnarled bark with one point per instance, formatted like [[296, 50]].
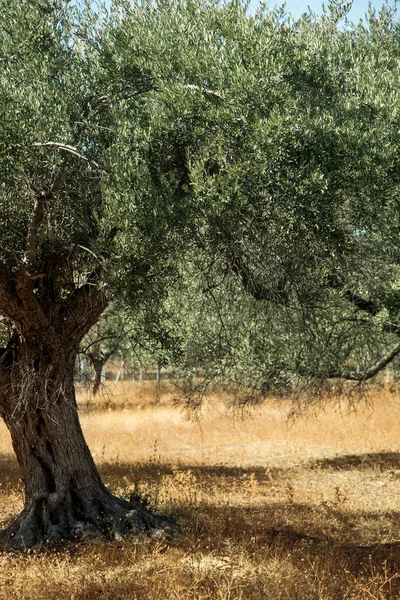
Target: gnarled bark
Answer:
[[65, 497]]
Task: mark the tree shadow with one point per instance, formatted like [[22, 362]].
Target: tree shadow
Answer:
[[306, 532], [282, 520], [358, 557], [155, 469], [303, 534], [384, 461]]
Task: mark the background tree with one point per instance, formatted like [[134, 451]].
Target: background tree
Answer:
[[107, 340]]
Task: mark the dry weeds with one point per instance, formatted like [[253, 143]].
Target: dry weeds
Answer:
[[269, 509]]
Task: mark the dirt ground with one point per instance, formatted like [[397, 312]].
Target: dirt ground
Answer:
[[268, 508]]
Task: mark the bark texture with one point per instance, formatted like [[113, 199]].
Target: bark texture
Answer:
[[65, 497]]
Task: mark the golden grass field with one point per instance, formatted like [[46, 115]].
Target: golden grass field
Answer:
[[269, 508]]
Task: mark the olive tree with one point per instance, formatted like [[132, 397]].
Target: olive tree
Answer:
[[74, 145], [99, 114], [136, 139]]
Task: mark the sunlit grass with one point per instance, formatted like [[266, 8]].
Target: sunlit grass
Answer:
[[269, 508]]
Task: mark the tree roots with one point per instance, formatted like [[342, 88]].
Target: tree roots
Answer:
[[46, 523]]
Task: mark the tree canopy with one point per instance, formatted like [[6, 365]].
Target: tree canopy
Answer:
[[283, 137]]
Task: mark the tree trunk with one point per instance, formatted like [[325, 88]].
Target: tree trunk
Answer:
[[65, 497]]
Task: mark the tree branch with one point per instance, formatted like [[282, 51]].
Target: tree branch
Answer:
[[60, 145], [19, 303], [352, 375], [81, 311], [362, 304], [382, 363], [372, 309], [10, 303], [42, 197], [37, 217], [373, 370], [257, 290], [6, 362]]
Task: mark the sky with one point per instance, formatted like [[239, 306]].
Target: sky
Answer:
[[298, 7]]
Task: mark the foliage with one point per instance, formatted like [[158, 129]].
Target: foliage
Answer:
[[297, 191], [231, 178]]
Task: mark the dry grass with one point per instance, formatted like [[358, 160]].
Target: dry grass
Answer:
[[269, 509]]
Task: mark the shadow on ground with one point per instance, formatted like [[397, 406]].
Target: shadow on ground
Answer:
[[303, 535], [384, 461], [217, 490], [380, 461], [358, 540], [156, 470]]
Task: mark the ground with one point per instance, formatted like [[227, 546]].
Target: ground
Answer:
[[269, 509]]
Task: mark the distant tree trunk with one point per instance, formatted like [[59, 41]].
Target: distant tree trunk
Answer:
[[65, 497], [98, 367], [120, 373], [158, 376], [98, 359]]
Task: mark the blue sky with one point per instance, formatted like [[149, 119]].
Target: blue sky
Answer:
[[298, 7]]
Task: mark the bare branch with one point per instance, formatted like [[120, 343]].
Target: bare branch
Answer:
[[382, 363], [37, 217], [60, 145], [67, 148], [364, 305], [369, 307], [353, 375], [361, 303], [372, 371]]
